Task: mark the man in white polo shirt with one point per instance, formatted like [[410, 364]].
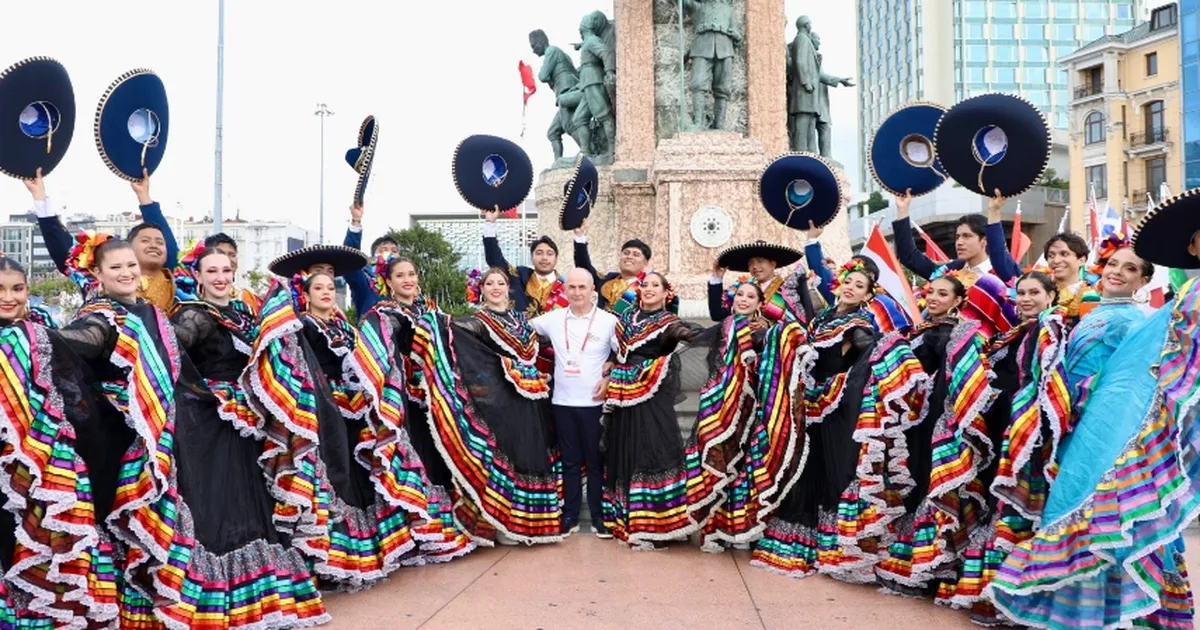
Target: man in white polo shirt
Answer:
[[584, 339]]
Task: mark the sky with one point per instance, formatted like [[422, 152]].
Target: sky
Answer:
[[432, 75]]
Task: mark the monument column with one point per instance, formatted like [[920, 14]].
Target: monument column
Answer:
[[766, 74]]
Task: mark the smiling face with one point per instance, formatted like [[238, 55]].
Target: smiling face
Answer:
[[941, 298], [216, 277], [654, 292], [321, 293], [1032, 298], [633, 261], [119, 273], [151, 248], [763, 269], [544, 258], [14, 294], [495, 291], [386, 247], [1122, 275], [854, 290], [747, 299], [580, 289], [403, 282], [1064, 263]]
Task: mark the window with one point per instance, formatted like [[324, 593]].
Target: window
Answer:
[[1062, 120], [1066, 10], [1035, 8], [1155, 118], [1151, 64], [1040, 54], [1163, 17], [1093, 128], [1156, 173], [1064, 32], [972, 31], [1092, 32], [977, 53], [1063, 51], [1004, 53], [1096, 12], [1033, 76], [1040, 98], [975, 8], [1033, 31], [975, 75], [1004, 9], [1003, 31], [1004, 75], [1097, 180], [1124, 12]]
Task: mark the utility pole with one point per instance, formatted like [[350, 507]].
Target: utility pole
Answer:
[[217, 169], [322, 112]]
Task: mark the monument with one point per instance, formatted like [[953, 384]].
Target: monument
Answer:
[[808, 92], [689, 190]]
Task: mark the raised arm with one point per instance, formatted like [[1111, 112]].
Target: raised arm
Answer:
[[583, 259], [492, 254], [816, 261], [152, 213], [906, 248], [997, 246], [716, 294]]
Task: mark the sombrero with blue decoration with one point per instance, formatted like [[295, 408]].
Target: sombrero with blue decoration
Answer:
[[993, 141], [132, 122], [578, 194], [490, 172], [737, 258], [902, 154], [360, 157], [800, 187], [37, 117], [1168, 229]]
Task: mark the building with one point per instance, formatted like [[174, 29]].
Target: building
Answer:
[[464, 232], [1126, 117], [1189, 57], [947, 50]]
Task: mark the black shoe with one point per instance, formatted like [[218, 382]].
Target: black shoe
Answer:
[[601, 532], [569, 527]]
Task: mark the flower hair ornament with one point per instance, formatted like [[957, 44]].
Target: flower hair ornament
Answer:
[[854, 265], [965, 276], [298, 285], [82, 259], [670, 300], [1108, 247], [187, 274], [475, 287], [727, 298], [377, 271]]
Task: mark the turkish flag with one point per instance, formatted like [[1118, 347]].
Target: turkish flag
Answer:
[[527, 80], [511, 213]]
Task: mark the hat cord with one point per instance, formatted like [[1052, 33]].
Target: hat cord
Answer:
[[49, 128], [145, 148]]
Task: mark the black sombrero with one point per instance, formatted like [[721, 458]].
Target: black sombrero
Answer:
[[132, 122], [801, 187], [902, 154], [1164, 235], [993, 141], [345, 260], [37, 96], [490, 172], [737, 258], [360, 157], [578, 194]]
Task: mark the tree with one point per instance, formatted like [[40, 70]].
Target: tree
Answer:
[[259, 281], [1050, 180], [874, 203], [437, 264]]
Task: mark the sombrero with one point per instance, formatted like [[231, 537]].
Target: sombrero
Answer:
[[737, 258], [801, 187], [132, 123], [578, 194], [902, 155], [490, 171], [360, 157], [345, 260], [1164, 235], [993, 141], [36, 94]]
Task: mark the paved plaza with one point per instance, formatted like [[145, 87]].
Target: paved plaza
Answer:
[[589, 583]]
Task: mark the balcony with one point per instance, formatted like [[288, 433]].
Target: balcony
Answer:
[[1088, 89], [1147, 143]]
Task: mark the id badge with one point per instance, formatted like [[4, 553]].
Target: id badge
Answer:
[[572, 367]]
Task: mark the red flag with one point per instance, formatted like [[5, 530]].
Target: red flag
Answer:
[[511, 213], [1093, 218], [527, 80], [932, 250], [891, 274], [1020, 242]]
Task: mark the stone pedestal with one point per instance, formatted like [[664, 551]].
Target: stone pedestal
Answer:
[[602, 223]]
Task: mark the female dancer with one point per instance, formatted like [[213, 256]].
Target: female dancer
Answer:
[[750, 456], [490, 408], [946, 444], [48, 494], [853, 401], [350, 487], [390, 323]]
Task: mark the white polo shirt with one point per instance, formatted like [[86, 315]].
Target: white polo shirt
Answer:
[[587, 342]]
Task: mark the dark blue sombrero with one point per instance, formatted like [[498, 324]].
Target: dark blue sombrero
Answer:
[[37, 117], [798, 188], [737, 258], [345, 260], [132, 122], [993, 141], [490, 172], [360, 157], [902, 154], [1168, 229], [578, 194]]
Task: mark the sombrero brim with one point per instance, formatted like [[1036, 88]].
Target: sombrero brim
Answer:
[[1164, 235], [737, 258], [506, 191], [125, 155], [362, 157], [31, 81], [578, 194], [1027, 141], [821, 195], [892, 163], [345, 260]]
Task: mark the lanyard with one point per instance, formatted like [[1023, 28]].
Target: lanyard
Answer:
[[567, 334]]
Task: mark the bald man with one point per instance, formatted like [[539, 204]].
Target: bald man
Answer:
[[585, 342]]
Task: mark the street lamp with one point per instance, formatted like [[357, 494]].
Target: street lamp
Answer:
[[323, 112], [217, 173]]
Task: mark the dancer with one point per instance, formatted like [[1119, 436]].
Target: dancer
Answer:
[[225, 244], [970, 241], [535, 290], [490, 407], [362, 294], [618, 289], [760, 259]]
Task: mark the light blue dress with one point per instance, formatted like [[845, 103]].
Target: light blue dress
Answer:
[[1095, 339]]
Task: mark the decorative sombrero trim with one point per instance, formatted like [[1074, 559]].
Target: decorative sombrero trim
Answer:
[[1164, 205], [932, 145], [843, 195], [453, 171], [368, 152], [566, 203], [362, 131], [305, 251], [763, 245], [1045, 125], [100, 110], [10, 70]]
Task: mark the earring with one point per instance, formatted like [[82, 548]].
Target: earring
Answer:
[[956, 311]]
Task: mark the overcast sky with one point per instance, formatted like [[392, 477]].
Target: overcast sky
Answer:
[[432, 73]]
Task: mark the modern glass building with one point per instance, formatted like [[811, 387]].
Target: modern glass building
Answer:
[[1189, 52], [948, 50]]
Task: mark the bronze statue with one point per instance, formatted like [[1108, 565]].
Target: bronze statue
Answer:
[[558, 71], [824, 124], [808, 92], [597, 81], [717, 34]]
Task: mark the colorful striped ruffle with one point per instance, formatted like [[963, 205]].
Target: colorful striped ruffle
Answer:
[[653, 507], [234, 408], [494, 497], [633, 384], [798, 551], [1111, 560], [57, 563]]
